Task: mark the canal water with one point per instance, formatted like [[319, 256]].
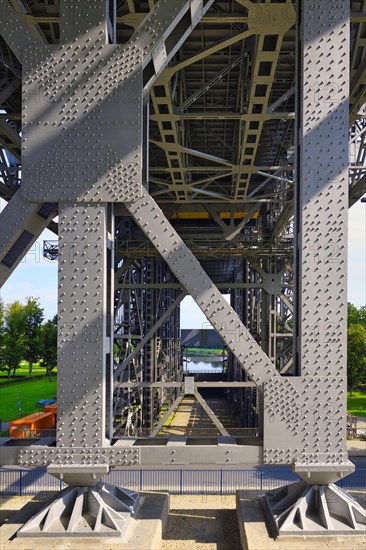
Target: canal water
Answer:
[[198, 363]]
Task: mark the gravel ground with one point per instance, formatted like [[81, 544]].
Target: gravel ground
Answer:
[[199, 522]]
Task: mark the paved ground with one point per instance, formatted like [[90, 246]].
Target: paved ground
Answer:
[[356, 447], [361, 424]]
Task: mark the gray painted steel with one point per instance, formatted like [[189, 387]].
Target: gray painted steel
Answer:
[[308, 423], [110, 508], [320, 435], [83, 339], [21, 224], [197, 283], [84, 146]]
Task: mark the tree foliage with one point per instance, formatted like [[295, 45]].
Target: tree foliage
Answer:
[[356, 316], [23, 335], [49, 346], [356, 349], [14, 340], [33, 340], [356, 346]]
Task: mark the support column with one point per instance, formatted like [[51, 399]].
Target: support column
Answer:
[[149, 373], [316, 505], [84, 343], [321, 220], [322, 198]]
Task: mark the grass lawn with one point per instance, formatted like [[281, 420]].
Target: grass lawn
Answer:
[[357, 403], [28, 393], [191, 352], [22, 373]]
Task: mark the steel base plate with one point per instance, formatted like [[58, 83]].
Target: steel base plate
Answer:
[[98, 511], [302, 509]]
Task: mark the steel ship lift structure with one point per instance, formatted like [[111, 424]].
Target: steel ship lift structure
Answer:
[[188, 147]]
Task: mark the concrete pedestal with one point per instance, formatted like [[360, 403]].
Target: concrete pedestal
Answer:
[[145, 530], [255, 535]]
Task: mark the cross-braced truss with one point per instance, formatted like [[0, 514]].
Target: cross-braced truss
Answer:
[[188, 147]]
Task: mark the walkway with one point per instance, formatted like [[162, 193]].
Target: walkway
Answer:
[[190, 419]]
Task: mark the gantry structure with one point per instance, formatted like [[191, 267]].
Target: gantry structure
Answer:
[[189, 147]]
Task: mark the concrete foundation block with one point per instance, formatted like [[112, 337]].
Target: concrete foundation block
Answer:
[[254, 534]]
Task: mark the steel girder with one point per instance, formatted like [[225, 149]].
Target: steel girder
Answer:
[[21, 224]]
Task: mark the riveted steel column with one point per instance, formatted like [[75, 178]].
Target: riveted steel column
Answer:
[[150, 359], [323, 186], [83, 342], [306, 423], [323, 213]]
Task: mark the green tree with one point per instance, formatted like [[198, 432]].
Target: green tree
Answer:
[[356, 350], [33, 339], [14, 341], [356, 316], [49, 346]]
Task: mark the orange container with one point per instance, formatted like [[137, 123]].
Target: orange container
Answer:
[[33, 425], [51, 408]]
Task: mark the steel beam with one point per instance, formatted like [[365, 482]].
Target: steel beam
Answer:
[[358, 189], [170, 411], [180, 385], [84, 342], [10, 139], [170, 29], [211, 414], [197, 283], [217, 451], [8, 88], [206, 87], [149, 334], [177, 286], [315, 422], [29, 46], [21, 224], [17, 34], [262, 23]]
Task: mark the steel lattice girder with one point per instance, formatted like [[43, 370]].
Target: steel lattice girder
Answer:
[[31, 33]]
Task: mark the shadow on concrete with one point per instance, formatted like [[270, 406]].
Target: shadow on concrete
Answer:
[[204, 527]]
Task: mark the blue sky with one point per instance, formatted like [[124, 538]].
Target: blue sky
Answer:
[[37, 277]]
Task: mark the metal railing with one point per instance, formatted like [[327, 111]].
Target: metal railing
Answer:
[[177, 481]]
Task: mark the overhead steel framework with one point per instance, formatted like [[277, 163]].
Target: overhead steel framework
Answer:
[[188, 147]]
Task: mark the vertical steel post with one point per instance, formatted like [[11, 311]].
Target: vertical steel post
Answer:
[[323, 187], [84, 343]]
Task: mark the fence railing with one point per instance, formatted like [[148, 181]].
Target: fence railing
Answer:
[[177, 481]]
